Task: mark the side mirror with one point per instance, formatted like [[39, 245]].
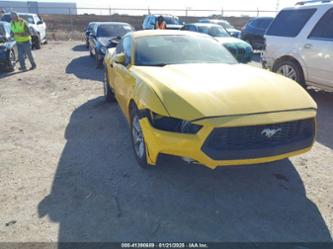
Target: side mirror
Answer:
[[119, 58]]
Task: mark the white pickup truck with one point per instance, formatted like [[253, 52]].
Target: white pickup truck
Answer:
[[36, 25]]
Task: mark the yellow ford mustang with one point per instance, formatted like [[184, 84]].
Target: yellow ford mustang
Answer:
[[185, 95]]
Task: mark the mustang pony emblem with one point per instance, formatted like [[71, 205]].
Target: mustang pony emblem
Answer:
[[270, 132]]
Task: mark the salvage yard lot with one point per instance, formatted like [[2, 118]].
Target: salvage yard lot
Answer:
[[67, 171]]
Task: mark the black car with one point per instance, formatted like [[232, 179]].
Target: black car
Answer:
[[8, 48], [88, 30], [253, 32], [104, 36]]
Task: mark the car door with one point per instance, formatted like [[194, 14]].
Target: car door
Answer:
[[318, 52], [152, 22], [11, 41], [41, 27], [122, 80]]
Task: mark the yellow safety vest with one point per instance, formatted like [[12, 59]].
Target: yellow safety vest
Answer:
[[20, 27]]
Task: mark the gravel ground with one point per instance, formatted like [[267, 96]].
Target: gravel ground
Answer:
[[67, 172]]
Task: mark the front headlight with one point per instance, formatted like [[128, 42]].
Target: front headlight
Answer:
[[103, 50], [173, 124]]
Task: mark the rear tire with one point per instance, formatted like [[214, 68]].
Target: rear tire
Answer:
[[38, 43], [138, 142], [291, 70]]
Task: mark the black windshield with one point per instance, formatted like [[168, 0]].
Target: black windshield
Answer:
[[179, 49], [112, 30]]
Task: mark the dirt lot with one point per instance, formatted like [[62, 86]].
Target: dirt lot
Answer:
[[67, 171]]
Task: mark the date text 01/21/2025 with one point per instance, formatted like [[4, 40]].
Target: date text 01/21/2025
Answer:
[[164, 245]]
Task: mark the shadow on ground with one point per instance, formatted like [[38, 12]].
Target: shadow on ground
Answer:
[[324, 117], [80, 48], [100, 194], [84, 67], [4, 74]]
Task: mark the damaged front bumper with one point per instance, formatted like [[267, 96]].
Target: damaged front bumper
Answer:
[[192, 146]]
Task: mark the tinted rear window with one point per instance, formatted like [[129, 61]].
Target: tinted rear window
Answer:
[[324, 28], [289, 23]]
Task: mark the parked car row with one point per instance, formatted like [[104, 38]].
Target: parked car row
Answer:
[[98, 44]]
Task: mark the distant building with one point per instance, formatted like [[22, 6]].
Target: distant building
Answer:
[[40, 7]]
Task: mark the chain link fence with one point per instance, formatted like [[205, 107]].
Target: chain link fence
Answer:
[[69, 23]]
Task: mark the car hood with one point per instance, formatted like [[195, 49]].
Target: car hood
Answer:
[[233, 31], [229, 41], [195, 91], [174, 26], [104, 41]]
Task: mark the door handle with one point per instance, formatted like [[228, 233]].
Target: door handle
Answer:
[[308, 45]]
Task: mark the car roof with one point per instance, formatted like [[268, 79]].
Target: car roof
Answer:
[[209, 24], [154, 32], [218, 20], [111, 23], [310, 4], [157, 15], [262, 18]]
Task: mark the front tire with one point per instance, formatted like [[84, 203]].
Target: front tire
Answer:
[[11, 61], [291, 70], [99, 62], [108, 92], [138, 142]]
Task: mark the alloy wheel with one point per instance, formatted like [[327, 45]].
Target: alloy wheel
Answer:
[[137, 136], [287, 71], [12, 59]]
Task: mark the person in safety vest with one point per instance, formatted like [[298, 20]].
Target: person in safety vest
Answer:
[[160, 24], [21, 32]]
